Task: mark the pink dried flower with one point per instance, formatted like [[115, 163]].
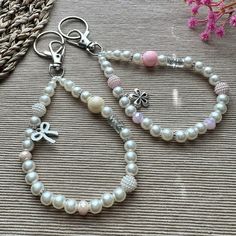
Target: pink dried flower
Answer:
[[211, 26], [232, 21], [206, 2], [195, 9], [220, 32], [192, 22], [205, 36]]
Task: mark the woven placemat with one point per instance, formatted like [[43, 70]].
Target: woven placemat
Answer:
[[20, 23]]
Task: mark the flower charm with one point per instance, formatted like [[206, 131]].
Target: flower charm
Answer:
[[139, 98], [43, 132]]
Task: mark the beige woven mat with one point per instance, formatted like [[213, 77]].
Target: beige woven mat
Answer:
[[184, 190]]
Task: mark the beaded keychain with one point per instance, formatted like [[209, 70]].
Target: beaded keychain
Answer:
[[42, 131], [132, 102]]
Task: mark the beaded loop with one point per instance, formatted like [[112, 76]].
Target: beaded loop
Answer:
[[134, 101], [41, 130]]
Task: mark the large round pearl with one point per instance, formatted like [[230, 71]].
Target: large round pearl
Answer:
[[198, 66], [58, 201], [223, 98], [46, 198], [45, 100], [192, 133], [95, 104], [130, 145], [146, 124], [137, 58], [214, 80], [25, 155], [37, 188], [201, 127], [84, 96], [131, 169], [130, 156], [118, 92], [31, 177], [107, 199], [68, 85], [180, 136], [167, 134], [106, 112], [130, 110], [83, 207], [220, 107], [150, 58], [119, 194], [28, 166], [125, 133], [35, 121], [124, 102], [28, 145], [96, 206], [49, 90], [76, 91], [70, 206], [155, 130], [188, 62], [217, 116]]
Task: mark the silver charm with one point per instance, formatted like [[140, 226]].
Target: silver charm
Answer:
[[43, 132], [139, 98]]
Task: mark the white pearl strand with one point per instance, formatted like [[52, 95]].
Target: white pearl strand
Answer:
[[96, 105], [156, 130]]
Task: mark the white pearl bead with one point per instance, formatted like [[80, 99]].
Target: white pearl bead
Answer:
[[83, 207], [28, 132], [125, 133], [198, 66], [214, 80], [28, 145], [128, 183], [28, 166], [162, 60], [76, 91], [25, 155], [223, 98], [107, 112], [31, 177], [192, 133], [107, 199], [130, 110], [188, 62], [37, 188], [180, 136], [155, 130], [119, 194], [70, 206], [35, 121], [220, 107], [146, 124], [58, 201], [167, 134], [96, 206], [130, 156], [49, 90], [85, 95], [45, 100], [217, 116], [101, 59], [105, 64], [201, 127], [207, 71], [108, 72], [118, 92], [62, 81], [137, 58], [46, 198], [131, 169], [130, 145], [68, 85], [109, 54], [124, 102], [116, 55], [95, 104], [125, 55], [52, 84]]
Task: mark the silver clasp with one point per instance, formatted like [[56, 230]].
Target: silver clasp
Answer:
[[56, 55], [79, 39]]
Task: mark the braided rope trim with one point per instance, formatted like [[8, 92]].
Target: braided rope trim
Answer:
[[20, 23]]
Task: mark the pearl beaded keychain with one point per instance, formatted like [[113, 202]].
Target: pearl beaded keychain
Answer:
[[132, 102], [41, 130]]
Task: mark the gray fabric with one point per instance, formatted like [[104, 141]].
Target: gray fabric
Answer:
[[183, 189]]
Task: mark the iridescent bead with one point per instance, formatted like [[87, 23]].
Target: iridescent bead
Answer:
[[137, 117], [210, 123]]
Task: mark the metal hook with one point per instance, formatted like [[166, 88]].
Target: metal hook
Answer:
[[81, 39]]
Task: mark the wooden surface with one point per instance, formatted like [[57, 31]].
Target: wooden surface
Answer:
[[183, 189]]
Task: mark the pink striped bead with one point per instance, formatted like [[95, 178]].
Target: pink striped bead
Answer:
[[222, 88], [113, 81]]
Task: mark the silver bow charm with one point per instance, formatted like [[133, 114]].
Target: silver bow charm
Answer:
[[139, 98], [43, 132]]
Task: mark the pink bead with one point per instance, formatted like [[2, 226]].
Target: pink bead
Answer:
[[83, 207], [113, 81], [150, 58], [222, 88], [137, 117], [210, 123]]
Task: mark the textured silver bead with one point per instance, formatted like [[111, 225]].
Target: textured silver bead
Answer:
[[39, 110], [222, 88], [128, 183]]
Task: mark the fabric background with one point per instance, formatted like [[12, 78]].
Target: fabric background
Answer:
[[185, 189]]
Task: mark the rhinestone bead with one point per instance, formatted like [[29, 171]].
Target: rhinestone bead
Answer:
[[39, 109], [128, 183], [222, 88]]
